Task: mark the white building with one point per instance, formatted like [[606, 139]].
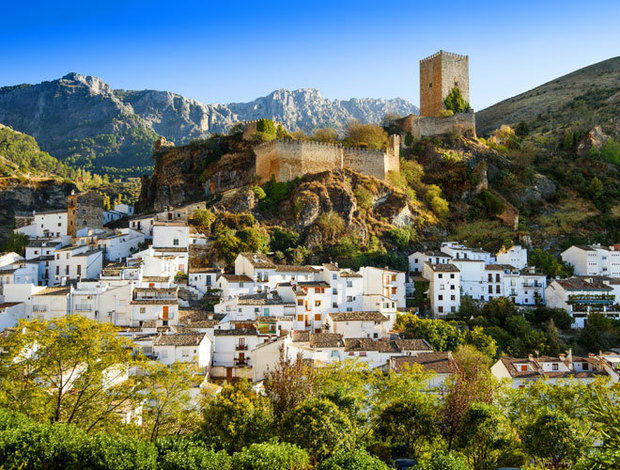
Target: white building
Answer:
[[203, 279], [387, 282], [170, 235], [193, 347], [143, 224], [11, 313], [125, 209], [417, 259], [358, 324], [593, 260], [47, 224], [579, 297], [444, 289], [154, 306], [441, 365], [75, 262], [50, 303], [459, 251], [120, 244], [38, 248], [515, 256], [521, 371]]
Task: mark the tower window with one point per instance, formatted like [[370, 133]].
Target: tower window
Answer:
[[456, 83], [430, 85]]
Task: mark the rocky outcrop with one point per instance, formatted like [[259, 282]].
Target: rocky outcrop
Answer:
[[594, 140], [82, 118], [36, 194]]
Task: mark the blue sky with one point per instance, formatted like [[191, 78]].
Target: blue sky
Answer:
[[217, 52]]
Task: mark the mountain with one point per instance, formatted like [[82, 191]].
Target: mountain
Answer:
[[587, 97], [84, 122]]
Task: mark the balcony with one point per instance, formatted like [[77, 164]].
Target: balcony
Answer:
[[241, 362], [602, 299], [241, 347]]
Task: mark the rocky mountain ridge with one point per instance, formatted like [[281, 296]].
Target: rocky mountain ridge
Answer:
[[83, 121]]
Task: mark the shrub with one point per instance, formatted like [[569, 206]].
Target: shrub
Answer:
[[364, 197], [283, 240], [408, 139], [330, 224], [259, 193], [203, 217], [611, 152], [15, 242], [454, 101], [370, 136], [493, 204], [271, 456], [326, 134], [176, 453], [357, 459], [399, 236], [265, 130]]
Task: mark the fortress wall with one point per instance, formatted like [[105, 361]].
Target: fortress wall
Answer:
[[368, 162], [426, 126]]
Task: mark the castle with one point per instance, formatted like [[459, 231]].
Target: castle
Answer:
[[287, 159]]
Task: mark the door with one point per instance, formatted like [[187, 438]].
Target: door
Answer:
[[165, 312]]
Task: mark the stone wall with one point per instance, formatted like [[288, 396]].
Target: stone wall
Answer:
[[288, 159], [426, 126], [439, 73], [84, 210]]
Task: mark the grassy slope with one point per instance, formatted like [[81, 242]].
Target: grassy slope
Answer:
[[590, 95]]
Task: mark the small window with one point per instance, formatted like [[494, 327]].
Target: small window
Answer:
[[317, 303], [440, 297], [300, 302], [451, 276], [554, 367], [440, 309], [175, 242], [440, 276], [430, 85]]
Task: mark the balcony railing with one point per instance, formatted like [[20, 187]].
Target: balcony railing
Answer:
[[241, 347], [241, 362]]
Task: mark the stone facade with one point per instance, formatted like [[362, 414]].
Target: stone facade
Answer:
[[439, 73], [423, 126], [84, 210], [288, 159]]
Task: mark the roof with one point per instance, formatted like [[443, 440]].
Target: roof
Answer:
[[42, 243], [536, 371], [179, 339], [438, 362], [9, 304], [155, 278], [326, 340], [204, 270], [258, 260], [358, 316], [170, 249], [499, 267], [312, 284], [237, 278], [436, 254], [443, 267], [349, 273], [331, 267], [301, 336], [575, 283], [59, 290], [585, 247], [236, 332], [155, 290], [386, 345], [262, 299], [154, 302], [295, 268]]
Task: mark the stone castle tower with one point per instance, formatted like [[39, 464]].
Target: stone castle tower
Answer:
[[439, 73]]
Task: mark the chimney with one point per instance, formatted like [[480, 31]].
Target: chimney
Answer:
[[450, 355], [562, 357], [530, 357], [570, 355]]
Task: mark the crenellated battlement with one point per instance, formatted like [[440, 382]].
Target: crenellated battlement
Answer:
[[445, 54]]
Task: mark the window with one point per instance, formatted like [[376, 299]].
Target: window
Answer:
[[79, 269], [349, 298], [453, 309], [490, 277], [554, 367], [317, 317], [142, 310], [451, 276], [523, 368], [440, 276], [430, 85], [452, 297], [393, 277], [175, 242], [440, 309], [452, 287], [317, 303], [440, 297], [300, 318], [334, 305], [334, 291], [490, 289], [497, 277], [415, 260], [300, 302], [585, 366], [349, 283], [497, 289], [334, 276]]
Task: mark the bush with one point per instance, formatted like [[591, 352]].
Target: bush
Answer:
[[178, 453], [203, 218], [283, 240], [454, 101], [493, 204], [259, 193], [611, 152], [271, 456], [318, 426], [364, 197], [399, 236], [15, 242], [276, 192], [371, 136], [443, 461], [265, 130], [357, 459]]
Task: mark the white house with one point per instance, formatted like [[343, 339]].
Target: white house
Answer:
[[170, 235], [51, 302], [203, 279], [440, 364], [125, 209], [38, 248], [21, 272], [120, 244], [143, 224], [47, 224], [9, 258], [358, 324], [459, 251], [579, 297], [444, 287], [75, 262], [417, 259], [515, 256], [232, 347], [521, 371], [593, 260], [386, 282], [11, 313], [158, 306], [235, 284], [193, 347]]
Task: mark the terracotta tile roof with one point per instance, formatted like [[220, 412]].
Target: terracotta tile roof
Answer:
[[237, 278], [155, 278], [154, 302], [575, 283], [438, 362], [499, 267], [386, 345], [358, 316], [301, 336], [331, 267], [155, 290], [59, 290], [349, 273], [413, 345], [204, 270], [179, 339], [326, 340], [236, 332], [9, 304], [313, 284], [291, 268], [258, 260], [442, 267], [262, 299], [168, 249]]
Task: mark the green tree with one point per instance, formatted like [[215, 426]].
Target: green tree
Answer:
[[70, 369], [288, 384], [318, 426], [553, 439], [357, 459], [178, 453], [265, 130], [442, 335], [227, 246], [203, 218], [283, 240], [271, 456], [599, 333], [106, 202], [442, 461], [595, 189], [236, 417], [371, 136], [454, 101], [406, 424], [168, 409], [15, 242], [326, 134]]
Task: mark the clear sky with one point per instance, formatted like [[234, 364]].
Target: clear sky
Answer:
[[222, 51]]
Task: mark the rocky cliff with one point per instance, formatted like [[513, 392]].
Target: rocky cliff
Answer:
[[83, 121], [28, 195]]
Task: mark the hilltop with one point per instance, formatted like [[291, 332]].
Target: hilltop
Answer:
[[587, 97], [84, 122]]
